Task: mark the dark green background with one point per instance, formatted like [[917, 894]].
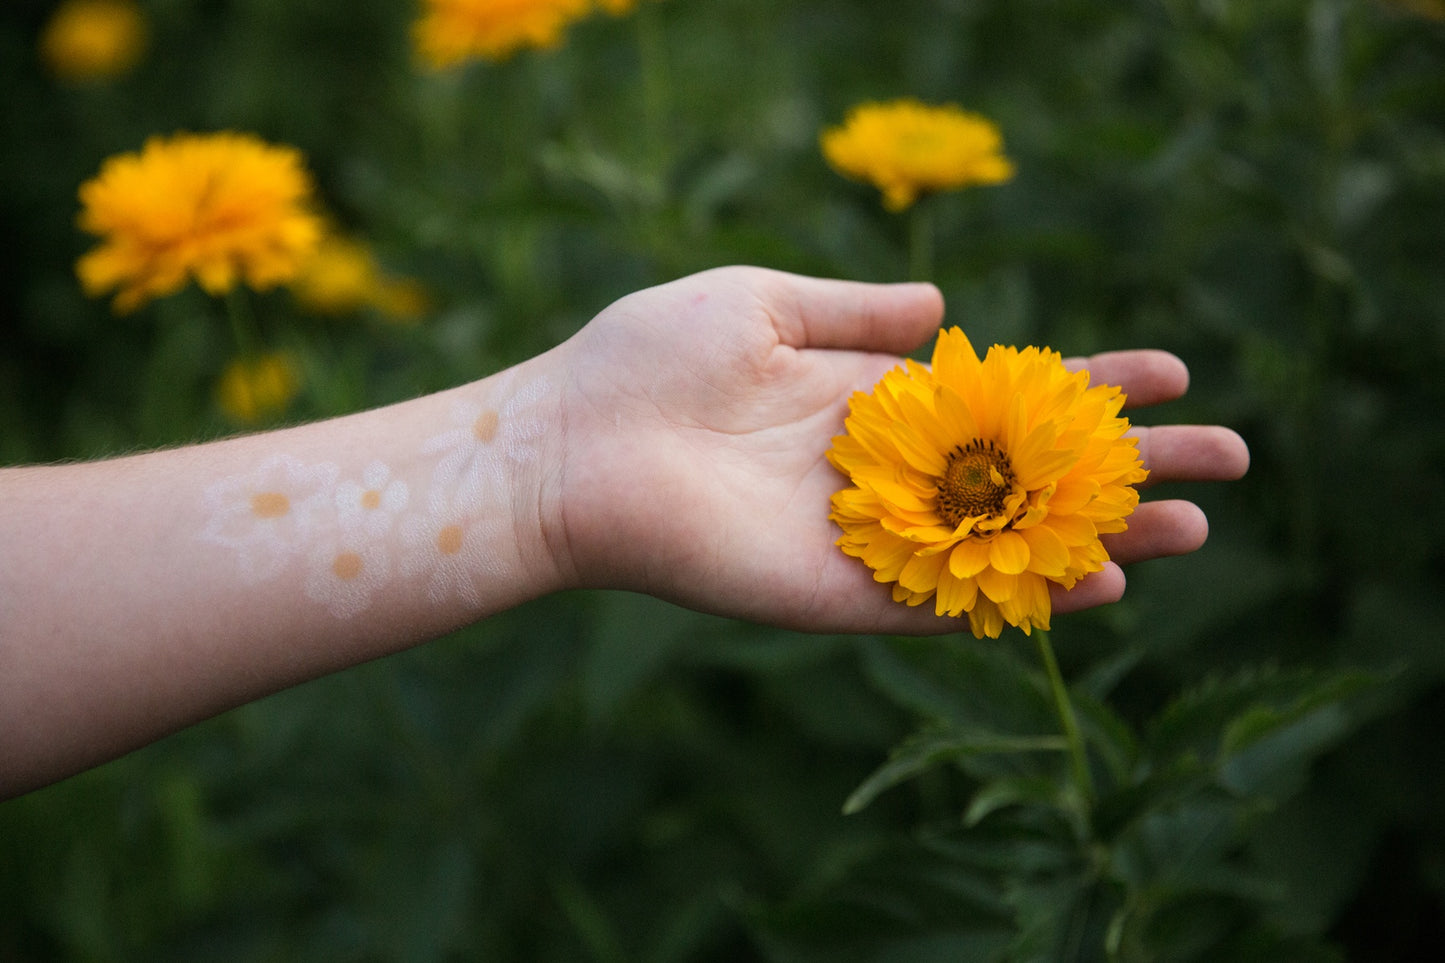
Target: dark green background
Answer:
[[1253, 184]]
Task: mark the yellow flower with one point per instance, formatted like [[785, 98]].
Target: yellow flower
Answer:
[[253, 389], [343, 276], [907, 149], [222, 208], [451, 31], [93, 39], [402, 299], [340, 277], [1430, 9], [618, 7], [976, 483]]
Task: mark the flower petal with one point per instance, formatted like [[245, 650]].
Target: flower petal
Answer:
[[998, 586], [969, 557], [1009, 553]]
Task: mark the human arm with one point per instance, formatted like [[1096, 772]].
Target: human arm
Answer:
[[674, 446]]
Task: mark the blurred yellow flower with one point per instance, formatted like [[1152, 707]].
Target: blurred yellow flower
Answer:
[[1430, 9], [402, 299], [222, 208], [908, 149], [618, 7], [88, 40], [452, 31], [976, 483], [338, 278], [342, 276], [257, 388]]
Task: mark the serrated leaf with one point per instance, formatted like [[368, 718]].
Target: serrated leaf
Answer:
[[935, 747], [1281, 746], [1018, 791], [1202, 719], [1259, 722], [961, 683]]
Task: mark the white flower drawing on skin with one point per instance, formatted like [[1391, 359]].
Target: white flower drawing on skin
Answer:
[[373, 503], [451, 544], [265, 516], [476, 451], [450, 550], [344, 572], [351, 559]]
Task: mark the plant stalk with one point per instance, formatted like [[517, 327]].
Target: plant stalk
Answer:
[[243, 323], [920, 242], [1064, 706]]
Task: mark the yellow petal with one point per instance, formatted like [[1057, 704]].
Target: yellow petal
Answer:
[[969, 557], [920, 573], [985, 620], [1048, 555], [998, 586], [1074, 530], [955, 595], [1009, 553]]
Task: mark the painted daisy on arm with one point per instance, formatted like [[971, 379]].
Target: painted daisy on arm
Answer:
[[976, 483]]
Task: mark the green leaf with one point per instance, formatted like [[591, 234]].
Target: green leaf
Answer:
[[963, 683], [936, 747], [1224, 714], [1018, 791]]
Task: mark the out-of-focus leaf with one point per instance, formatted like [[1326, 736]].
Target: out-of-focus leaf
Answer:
[[1020, 791], [935, 747]]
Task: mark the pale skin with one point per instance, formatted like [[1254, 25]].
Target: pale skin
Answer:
[[674, 446]]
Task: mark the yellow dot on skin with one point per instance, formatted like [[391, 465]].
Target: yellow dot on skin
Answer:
[[371, 499], [485, 427], [347, 566], [269, 504], [449, 540]]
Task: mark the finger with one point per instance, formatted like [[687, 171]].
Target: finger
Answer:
[[1159, 530], [1147, 377], [1192, 453], [852, 315], [1096, 588]]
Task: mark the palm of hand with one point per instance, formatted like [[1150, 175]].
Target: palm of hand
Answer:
[[697, 415]]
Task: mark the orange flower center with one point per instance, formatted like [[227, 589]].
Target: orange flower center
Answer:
[[976, 482]]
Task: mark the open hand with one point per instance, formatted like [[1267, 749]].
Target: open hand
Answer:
[[695, 418]]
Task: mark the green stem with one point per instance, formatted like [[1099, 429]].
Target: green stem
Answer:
[[243, 323], [652, 67], [1079, 761], [920, 242]]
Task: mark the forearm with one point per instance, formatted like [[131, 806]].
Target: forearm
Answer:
[[142, 594]]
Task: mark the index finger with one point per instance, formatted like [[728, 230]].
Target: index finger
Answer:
[[852, 315]]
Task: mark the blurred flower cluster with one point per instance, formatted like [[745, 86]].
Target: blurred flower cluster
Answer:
[[227, 209]]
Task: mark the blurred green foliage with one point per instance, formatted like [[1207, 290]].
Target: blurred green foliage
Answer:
[[1253, 184]]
